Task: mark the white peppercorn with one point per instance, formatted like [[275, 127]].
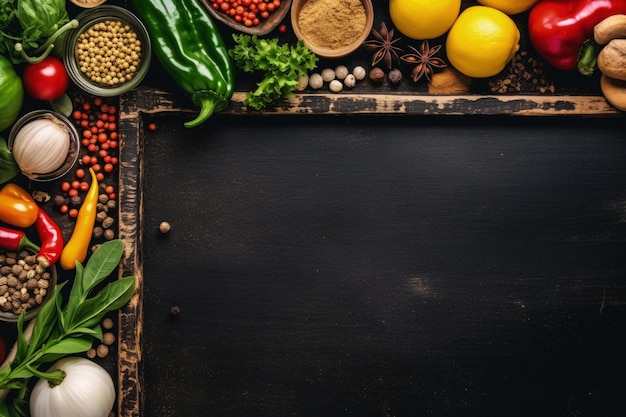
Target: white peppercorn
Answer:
[[328, 74], [349, 81], [359, 73], [341, 71], [316, 81], [335, 86], [303, 81]]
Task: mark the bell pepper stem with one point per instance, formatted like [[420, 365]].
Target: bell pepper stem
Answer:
[[588, 57], [209, 103], [44, 50]]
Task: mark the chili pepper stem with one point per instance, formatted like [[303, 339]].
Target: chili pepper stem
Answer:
[[209, 102], [28, 244]]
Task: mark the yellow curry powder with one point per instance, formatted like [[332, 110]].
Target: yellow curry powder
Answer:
[[332, 24]]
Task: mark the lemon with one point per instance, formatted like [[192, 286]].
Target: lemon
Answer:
[[482, 41], [509, 6], [423, 19]]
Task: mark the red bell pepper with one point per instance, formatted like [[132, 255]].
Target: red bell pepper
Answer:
[[558, 28]]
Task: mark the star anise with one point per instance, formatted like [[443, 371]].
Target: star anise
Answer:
[[424, 60], [382, 43]]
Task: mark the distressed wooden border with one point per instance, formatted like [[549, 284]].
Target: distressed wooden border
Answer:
[[149, 101]]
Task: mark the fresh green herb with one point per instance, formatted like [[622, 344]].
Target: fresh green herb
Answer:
[[31, 29], [8, 167], [281, 66], [65, 329]]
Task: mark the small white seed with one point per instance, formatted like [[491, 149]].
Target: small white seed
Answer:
[[335, 86], [303, 81], [359, 73], [349, 81], [341, 71], [315, 81], [328, 74]]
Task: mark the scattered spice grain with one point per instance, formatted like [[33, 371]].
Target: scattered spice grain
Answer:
[[107, 323], [332, 24], [164, 227], [449, 81], [102, 350], [523, 74]]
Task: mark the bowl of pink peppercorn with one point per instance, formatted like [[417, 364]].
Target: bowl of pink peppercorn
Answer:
[[254, 17]]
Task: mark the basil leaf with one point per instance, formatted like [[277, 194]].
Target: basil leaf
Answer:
[[41, 18], [44, 323], [113, 296], [102, 263], [5, 371], [22, 344], [95, 332], [67, 346], [8, 167], [75, 298]]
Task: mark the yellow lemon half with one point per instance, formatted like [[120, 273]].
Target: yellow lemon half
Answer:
[[423, 19], [482, 41], [509, 6]]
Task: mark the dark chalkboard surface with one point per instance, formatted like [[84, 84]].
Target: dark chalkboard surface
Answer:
[[384, 266]]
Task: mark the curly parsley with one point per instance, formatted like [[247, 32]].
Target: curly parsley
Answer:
[[280, 65]]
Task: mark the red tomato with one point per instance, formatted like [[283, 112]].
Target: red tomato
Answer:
[[46, 80]]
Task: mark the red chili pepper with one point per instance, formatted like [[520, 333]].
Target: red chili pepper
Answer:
[[15, 240], [558, 28], [49, 232]]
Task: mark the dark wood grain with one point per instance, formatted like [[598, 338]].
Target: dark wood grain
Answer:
[[361, 266]]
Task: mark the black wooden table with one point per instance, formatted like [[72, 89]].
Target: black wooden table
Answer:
[[380, 266]]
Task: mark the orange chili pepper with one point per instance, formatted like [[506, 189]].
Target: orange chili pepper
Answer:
[[49, 232], [77, 246], [16, 211]]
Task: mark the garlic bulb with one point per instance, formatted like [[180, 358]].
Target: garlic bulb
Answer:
[[41, 146], [87, 390]]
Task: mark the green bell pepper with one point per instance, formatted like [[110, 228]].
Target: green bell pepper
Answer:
[[12, 95], [189, 46]]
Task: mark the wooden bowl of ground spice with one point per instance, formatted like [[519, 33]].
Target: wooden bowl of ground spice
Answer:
[[331, 28]]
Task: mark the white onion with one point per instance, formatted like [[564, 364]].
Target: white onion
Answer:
[[87, 390], [41, 146]]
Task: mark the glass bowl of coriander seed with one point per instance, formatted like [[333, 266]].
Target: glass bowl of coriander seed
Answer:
[[108, 53]]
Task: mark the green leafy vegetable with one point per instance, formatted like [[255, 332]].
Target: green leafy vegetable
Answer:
[[61, 330], [8, 167], [281, 66], [29, 29]]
